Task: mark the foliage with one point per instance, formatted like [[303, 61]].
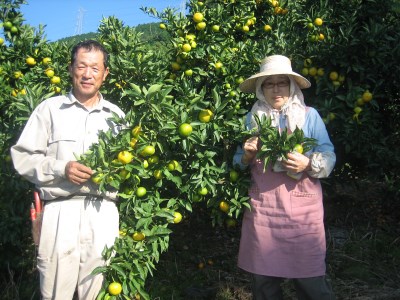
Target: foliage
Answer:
[[276, 144], [192, 67]]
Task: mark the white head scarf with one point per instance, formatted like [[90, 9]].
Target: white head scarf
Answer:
[[294, 109]]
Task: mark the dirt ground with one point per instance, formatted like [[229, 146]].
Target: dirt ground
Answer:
[[201, 264]]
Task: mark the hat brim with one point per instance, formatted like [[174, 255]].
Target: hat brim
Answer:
[[249, 85]]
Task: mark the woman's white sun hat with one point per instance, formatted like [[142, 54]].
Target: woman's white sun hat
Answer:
[[273, 65]]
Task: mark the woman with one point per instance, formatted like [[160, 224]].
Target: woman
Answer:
[[283, 234]]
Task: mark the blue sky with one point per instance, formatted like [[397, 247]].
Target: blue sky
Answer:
[[64, 18]]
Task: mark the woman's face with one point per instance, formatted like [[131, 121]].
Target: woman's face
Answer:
[[276, 89]]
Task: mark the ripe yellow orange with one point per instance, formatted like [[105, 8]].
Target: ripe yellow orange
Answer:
[[318, 22], [333, 75], [224, 206], [190, 37], [133, 142], [49, 72], [205, 115], [218, 65], [201, 26], [138, 236], [298, 148], [145, 164], [136, 131], [46, 61], [55, 80], [158, 174], [186, 48], [18, 74], [312, 71], [115, 288], [177, 217], [30, 61], [274, 3], [162, 26], [14, 92], [245, 28], [125, 157], [267, 28], [367, 96], [198, 17]]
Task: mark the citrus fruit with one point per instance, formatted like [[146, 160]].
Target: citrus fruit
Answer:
[[148, 150], [136, 131], [333, 75], [115, 288], [177, 217], [198, 17], [138, 236], [30, 61], [233, 175], [203, 191], [125, 157], [298, 148], [185, 130], [141, 191], [367, 96], [205, 115], [318, 22], [224, 206]]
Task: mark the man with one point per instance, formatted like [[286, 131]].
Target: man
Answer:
[[78, 222]]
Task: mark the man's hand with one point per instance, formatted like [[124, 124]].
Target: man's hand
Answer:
[[77, 173], [250, 148], [296, 162]]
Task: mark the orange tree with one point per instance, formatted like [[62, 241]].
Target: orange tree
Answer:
[[185, 113], [25, 79], [210, 51]]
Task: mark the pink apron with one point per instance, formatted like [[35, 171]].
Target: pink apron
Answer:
[[283, 234]]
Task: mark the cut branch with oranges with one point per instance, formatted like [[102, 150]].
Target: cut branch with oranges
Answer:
[[275, 143]]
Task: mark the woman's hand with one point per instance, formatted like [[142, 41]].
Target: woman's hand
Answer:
[[250, 148], [296, 162]]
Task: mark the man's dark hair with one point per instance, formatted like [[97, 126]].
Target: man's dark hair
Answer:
[[89, 45]]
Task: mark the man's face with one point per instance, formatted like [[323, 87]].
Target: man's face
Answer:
[[88, 74]]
